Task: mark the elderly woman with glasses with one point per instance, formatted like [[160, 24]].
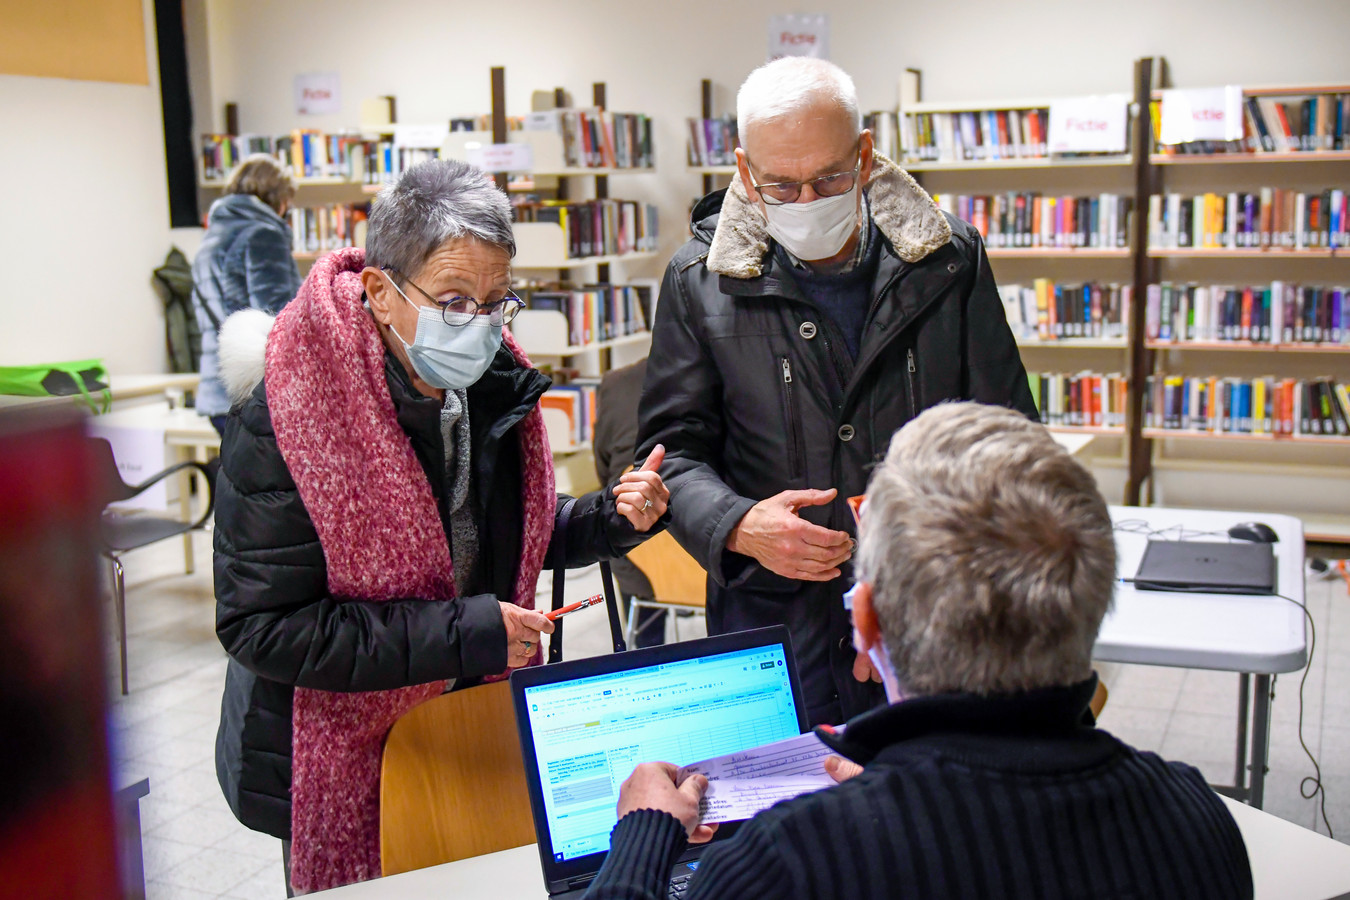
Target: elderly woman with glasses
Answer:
[[385, 505]]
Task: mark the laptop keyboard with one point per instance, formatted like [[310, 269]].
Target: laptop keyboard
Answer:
[[678, 884]]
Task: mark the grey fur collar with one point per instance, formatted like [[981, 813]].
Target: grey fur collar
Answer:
[[903, 211]]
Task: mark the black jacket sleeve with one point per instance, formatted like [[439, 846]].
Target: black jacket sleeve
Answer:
[[274, 614], [682, 409], [995, 374], [596, 530]]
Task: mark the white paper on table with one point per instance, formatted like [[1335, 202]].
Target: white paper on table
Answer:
[[743, 783]]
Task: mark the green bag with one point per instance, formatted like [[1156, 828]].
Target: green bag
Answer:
[[59, 380]]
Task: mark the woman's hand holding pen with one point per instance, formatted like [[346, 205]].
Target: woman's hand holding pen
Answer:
[[641, 495], [523, 627]]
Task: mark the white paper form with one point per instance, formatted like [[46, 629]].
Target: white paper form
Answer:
[[743, 783]]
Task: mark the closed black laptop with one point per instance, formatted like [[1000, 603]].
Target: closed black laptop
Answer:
[[585, 724], [1207, 567]]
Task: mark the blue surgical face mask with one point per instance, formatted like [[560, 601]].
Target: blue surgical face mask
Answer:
[[449, 357]]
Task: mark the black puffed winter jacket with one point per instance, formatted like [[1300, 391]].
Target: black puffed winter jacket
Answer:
[[282, 629], [752, 393]]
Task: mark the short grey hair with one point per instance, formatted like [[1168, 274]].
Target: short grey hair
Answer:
[[990, 554], [264, 178], [793, 83], [434, 202]]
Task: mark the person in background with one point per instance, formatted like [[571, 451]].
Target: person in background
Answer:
[[823, 301], [245, 261], [384, 507], [615, 436], [986, 562]]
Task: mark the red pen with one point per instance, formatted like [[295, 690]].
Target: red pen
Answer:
[[556, 614]]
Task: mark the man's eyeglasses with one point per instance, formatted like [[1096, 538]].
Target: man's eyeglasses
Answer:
[[460, 310], [781, 192]]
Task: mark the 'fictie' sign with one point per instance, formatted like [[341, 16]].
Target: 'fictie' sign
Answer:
[[1201, 114], [806, 34], [1088, 124]]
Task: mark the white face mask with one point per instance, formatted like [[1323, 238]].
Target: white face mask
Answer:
[[815, 230], [449, 357]]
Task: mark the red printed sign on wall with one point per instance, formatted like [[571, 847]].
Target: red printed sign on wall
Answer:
[[806, 34], [317, 93]]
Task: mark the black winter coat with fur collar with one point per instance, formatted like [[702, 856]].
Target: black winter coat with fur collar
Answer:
[[738, 428]]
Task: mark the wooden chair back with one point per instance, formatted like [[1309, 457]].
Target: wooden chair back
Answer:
[[1098, 701], [675, 576], [452, 782]]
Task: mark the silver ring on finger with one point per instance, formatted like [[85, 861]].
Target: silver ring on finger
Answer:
[[646, 506]]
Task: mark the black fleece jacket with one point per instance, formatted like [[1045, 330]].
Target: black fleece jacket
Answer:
[[965, 797]]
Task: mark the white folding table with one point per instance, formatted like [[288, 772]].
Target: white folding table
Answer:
[[1288, 863], [1254, 636]]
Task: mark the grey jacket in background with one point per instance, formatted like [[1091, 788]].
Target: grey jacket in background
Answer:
[[245, 261]]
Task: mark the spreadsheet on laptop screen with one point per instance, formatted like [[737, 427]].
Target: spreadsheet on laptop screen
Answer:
[[590, 733]]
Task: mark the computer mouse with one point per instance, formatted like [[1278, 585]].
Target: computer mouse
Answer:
[[1254, 531]]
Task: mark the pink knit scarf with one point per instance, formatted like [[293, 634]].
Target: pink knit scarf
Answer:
[[382, 537]]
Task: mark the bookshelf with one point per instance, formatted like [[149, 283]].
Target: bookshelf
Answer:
[[1005, 177], [551, 337], [706, 135], [1226, 181], [1141, 452]]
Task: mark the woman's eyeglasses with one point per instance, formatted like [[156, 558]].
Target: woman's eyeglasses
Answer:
[[459, 311]]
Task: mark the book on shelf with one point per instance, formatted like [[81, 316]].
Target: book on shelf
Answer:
[[1277, 313], [597, 312], [575, 400], [596, 227], [310, 154], [1032, 219], [1280, 123], [1282, 407], [973, 136], [1267, 218], [712, 142], [318, 229], [1046, 310], [1079, 400], [593, 138], [885, 128]]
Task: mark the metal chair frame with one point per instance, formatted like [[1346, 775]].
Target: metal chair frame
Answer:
[[116, 490]]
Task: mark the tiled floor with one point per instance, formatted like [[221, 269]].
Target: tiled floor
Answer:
[[194, 848]]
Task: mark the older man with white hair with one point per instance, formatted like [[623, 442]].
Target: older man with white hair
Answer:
[[823, 301], [986, 562]]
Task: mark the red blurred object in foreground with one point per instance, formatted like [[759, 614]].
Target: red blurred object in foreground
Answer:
[[57, 832]]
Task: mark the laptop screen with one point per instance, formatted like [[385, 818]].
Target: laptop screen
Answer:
[[592, 721]]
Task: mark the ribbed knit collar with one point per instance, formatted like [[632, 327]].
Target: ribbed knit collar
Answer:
[[1044, 713]]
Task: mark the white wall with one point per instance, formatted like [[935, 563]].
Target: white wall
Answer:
[[84, 219], [434, 57]]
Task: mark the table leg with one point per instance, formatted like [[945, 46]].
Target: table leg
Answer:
[[185, 506], [1240, 770], [1260, 741]]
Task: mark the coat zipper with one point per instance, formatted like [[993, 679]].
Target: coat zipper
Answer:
[[794, 448], [909, 374]]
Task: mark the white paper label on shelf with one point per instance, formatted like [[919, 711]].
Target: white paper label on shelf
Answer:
[[317, 93], [805, 34], [1201, 114], [500, 157], [1089, 124], [542, 120], [426, 137]]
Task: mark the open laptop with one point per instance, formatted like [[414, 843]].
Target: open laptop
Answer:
[[586, 724], [1207, 567]]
